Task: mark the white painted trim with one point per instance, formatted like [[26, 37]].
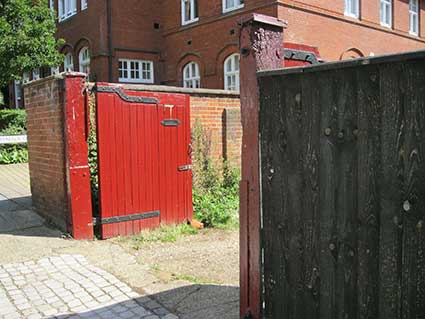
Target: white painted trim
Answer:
[[226, 10], [140, 79], [13, 139]]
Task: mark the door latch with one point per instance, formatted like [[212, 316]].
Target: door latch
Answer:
[[184, 168]]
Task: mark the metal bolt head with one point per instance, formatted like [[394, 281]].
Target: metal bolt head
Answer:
[[420, 224], [406, 206], [332, 246], [340, 134], [328, 131], [355, 132]]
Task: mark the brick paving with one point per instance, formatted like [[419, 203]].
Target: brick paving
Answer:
[[68, 287]]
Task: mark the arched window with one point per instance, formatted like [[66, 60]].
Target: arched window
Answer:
[[231, 73], [191, 76], [68, 64], [84, 60]]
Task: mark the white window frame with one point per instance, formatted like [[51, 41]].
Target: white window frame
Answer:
[[18, 92], [194, 14], [25, 77], [66, 9], [52, 5], [414, 17], [84, 4], [191, 76], [84, 60], [144, 67], [36, 74], [237, 4], [386, 21], [234, 61], [68, 63], [54, 70], [352, 8]]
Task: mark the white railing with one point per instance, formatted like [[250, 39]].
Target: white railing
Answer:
[[13, 139]]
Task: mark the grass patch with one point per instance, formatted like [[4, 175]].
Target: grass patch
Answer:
[[191, 279], [162, 234]]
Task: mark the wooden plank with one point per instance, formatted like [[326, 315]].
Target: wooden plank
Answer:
[[293, 192], [310, 144], [273, 132], [412, 104], [328, 186], [390, 235], [368, 176], [345, 161]]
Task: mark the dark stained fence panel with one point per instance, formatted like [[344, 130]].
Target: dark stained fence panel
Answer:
[[343, 190]]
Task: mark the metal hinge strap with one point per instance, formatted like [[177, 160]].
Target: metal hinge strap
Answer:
[[124, 96], [125, 218]]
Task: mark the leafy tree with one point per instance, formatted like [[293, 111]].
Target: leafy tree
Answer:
[[27, 41]]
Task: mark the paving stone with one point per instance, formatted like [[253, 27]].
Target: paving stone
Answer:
[[66, 287]]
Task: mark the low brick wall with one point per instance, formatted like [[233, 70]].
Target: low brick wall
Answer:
[[45, 124]]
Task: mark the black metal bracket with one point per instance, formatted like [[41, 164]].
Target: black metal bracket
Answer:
[[124, 96], [125, 218], [170, 122], [300, 55]]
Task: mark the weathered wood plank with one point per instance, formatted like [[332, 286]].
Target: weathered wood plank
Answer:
[[310, 147], [412, 104], [368, 177], [390, 235], [346, 192], [275, 227], [328, 186]]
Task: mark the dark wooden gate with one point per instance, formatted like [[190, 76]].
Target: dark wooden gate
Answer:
[[144, 159], [343, 189]]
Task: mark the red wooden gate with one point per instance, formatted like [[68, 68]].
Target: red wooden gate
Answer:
[[145, 176]]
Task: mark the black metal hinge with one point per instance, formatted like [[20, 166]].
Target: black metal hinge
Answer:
[[124, 96], [124, 218], [300, 55]]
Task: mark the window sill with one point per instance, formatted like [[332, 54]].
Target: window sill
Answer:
[[185, 23], [386, 25], [353, 16], [414, 34], [135, 81], [233, 8], [67, 18]]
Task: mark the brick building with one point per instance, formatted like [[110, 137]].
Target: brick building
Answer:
[[194, 43]]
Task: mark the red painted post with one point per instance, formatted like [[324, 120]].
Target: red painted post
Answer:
[[261, 43], [80, 216]]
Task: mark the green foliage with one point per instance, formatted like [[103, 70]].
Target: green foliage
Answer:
[[215, 189], [94, 176], [12, 122], [27, 41], [163, 234], [13, 154]]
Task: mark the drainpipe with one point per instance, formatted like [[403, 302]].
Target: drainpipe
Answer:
[[109, 37]]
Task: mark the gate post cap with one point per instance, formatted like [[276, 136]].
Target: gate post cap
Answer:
[[263, 19]]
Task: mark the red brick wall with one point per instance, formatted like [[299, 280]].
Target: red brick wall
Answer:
[[215, 36], [220, 117], [322, 24], [45, 124]]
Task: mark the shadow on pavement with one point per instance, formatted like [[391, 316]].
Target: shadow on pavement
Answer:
[[18, 218], [189, 302]]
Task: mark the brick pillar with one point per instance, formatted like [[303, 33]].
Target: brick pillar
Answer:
[[58, 152], [261, 43]]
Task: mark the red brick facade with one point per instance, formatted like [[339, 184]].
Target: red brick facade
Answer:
[[152, 30]]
